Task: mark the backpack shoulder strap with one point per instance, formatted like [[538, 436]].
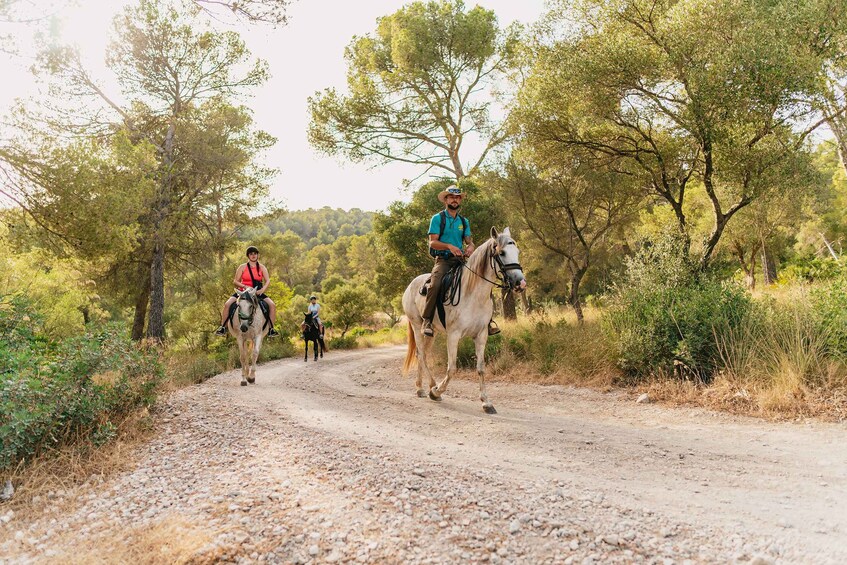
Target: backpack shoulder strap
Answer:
[[443, 215]]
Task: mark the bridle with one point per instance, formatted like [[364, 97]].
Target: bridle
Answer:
[[253, 303], [500, 269]]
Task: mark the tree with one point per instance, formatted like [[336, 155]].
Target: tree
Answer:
[[178, 80], [348, 305], [418, 88], [401, 231], [690, 95], [571, 204], [254, 11]]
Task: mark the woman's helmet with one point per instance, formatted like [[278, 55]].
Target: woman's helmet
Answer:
[[313, 297], [252, 249]]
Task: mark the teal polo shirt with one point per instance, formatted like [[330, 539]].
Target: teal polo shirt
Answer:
[[452, 229]]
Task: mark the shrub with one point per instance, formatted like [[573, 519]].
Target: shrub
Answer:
[[666, 316], [346, 342], [829, 302], [54, 392]]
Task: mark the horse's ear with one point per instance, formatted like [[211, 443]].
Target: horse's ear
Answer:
[[493, 232], [507, 232]]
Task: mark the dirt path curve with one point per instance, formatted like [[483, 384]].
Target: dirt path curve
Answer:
[[338, 461]]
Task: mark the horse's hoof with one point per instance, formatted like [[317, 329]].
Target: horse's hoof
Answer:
[[252, 381], [421, 394], [433, 397], [243, 383], [488, 409]]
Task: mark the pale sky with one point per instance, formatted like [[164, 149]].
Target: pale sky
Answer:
[[305, 56]]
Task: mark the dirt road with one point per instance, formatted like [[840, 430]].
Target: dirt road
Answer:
[[338, 461]]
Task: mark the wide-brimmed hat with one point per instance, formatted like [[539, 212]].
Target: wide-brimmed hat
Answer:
[[450, 190]]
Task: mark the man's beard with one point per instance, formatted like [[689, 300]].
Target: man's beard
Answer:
[[454, 206]]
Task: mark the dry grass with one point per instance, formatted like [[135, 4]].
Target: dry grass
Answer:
[[173, 540], [777, 368], [68, 467]]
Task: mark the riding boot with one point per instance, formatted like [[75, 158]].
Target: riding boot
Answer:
[[426, 327]]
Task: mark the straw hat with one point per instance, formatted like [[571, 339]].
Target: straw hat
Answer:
[[450, 190]]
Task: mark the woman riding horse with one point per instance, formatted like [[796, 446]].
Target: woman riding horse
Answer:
[[251, 274]]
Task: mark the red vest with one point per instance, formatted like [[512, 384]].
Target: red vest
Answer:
[[245, 274]]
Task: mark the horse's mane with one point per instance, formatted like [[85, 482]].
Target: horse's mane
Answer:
[[478, 263]]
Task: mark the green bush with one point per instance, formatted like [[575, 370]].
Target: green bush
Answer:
[[667, 317], [466, 352], [346, 342], [55, 392], [829, 302]]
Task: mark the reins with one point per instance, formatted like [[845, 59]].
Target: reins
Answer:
[[500, 274]]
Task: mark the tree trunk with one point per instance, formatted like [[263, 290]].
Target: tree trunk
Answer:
[[527, 305], [768, 267], [141, 309], [573, 296], [156, 321], [838, 125], [509, 310]]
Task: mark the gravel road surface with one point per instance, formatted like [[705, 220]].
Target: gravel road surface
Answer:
[[338, 461]]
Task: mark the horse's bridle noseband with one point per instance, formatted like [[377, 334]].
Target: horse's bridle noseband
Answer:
[[254, 302], [504, 268], [500, 270]]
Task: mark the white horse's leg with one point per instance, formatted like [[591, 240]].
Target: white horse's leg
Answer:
[[421, 354], [242, 351], [424, 362], [479, 341], [452, 346], [254, 357]]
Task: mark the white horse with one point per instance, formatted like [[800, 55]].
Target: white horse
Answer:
[[249, 332], [494, 263]]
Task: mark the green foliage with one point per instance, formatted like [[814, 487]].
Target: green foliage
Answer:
[[401, 231], [812, 268], [415, 88], [320, 226], [349, 305], [666, 316], [829, 302], [54, 392], [343, 342]]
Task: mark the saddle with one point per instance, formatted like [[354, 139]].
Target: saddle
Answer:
[[266, 311], [449, 291]]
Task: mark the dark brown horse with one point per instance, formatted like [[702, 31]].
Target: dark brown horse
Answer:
[[311, 332]]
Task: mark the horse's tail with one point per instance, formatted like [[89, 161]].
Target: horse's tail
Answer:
[[411, 357]]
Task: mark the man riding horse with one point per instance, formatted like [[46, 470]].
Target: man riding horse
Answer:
[[315, 310], [250, 274], [448, 233]]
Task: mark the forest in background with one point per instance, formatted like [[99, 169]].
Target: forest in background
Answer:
[[673, 173]]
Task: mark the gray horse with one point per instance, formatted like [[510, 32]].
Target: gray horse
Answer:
[[249, 332]]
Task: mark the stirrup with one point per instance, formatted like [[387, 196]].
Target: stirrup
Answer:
[[272, 332], [221, 330], [426, 328], [493, 328]]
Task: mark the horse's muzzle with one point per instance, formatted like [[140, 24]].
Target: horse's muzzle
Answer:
[[244, 328]]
